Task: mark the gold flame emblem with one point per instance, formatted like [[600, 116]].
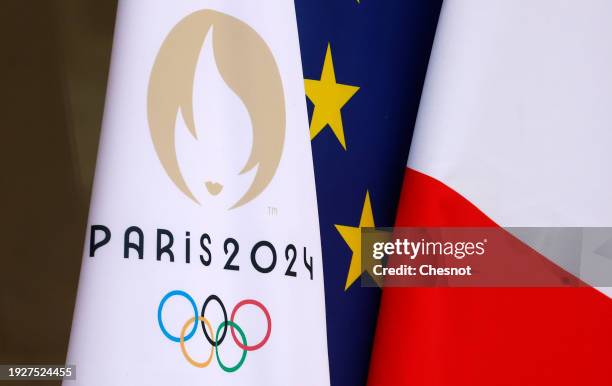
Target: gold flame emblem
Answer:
[[248, 68]]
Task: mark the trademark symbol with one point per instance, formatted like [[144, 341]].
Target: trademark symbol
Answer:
[[272, 211]]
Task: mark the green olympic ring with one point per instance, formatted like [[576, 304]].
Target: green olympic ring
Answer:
[[244, 342]]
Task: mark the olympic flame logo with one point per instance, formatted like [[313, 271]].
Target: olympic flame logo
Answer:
[[221, 331]]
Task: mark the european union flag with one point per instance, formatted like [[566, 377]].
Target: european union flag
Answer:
[[364, 63]]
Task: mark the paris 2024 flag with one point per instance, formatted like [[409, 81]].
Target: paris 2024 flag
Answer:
[[202, 260], [514, 130]]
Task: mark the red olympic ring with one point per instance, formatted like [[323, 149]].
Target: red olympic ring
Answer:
[[269, 330]]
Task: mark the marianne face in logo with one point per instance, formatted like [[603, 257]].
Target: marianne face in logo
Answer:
[[216, 109]]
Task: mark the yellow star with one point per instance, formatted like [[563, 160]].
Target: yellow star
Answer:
[[352, 237], [328, 98]]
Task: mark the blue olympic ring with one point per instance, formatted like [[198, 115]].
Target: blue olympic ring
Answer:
[[159, 315]]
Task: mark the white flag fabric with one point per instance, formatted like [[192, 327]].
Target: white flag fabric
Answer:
[[202, 259]]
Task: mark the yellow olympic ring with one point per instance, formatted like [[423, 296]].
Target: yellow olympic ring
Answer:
[[182, 340]]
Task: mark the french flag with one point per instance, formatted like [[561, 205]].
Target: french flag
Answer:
[[514, 130]]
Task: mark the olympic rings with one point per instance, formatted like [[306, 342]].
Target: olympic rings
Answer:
[[244, 342], [219, 337], [268, 331], [184, 350]]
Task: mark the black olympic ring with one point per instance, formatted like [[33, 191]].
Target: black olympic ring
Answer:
[[208, 338]]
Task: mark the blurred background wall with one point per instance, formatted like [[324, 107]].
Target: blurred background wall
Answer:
[[54, 64]]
